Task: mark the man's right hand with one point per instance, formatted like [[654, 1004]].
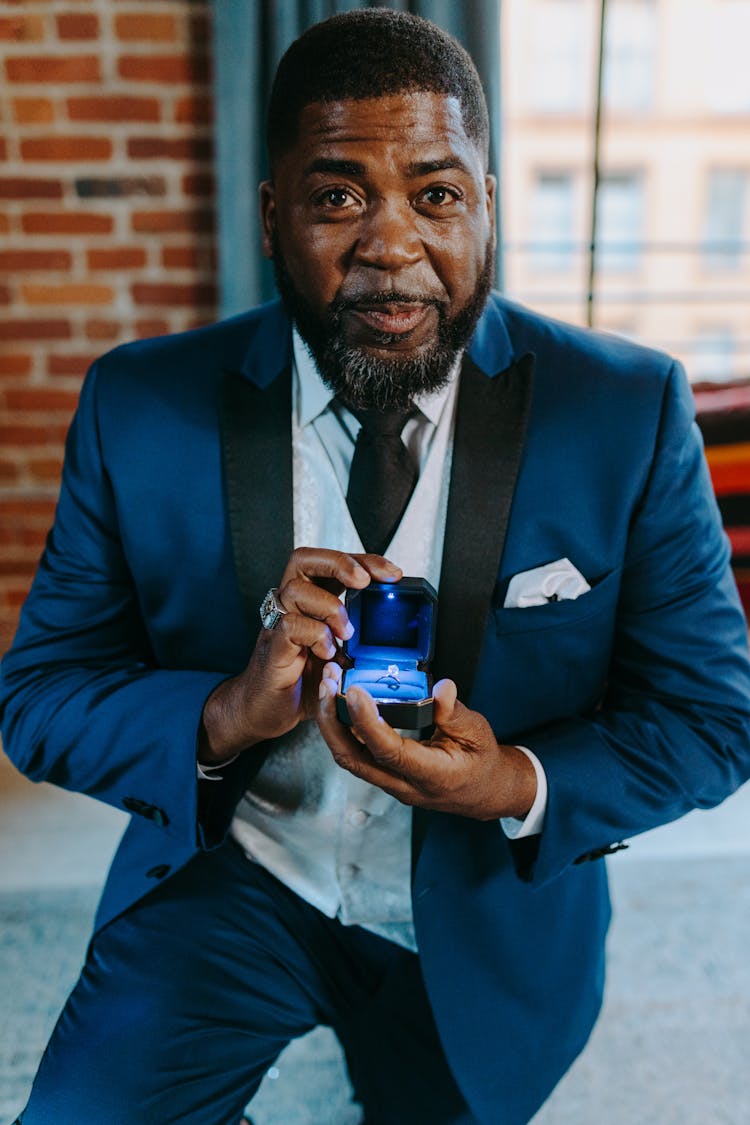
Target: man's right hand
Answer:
[[279, 686]]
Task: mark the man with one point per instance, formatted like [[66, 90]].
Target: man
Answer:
[[593, 651]]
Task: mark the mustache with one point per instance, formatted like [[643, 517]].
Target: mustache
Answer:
[[383, 297]]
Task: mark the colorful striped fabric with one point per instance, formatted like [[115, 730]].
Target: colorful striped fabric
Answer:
[[724, 418]]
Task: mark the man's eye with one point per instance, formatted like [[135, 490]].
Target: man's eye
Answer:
[[438, 196], [335, 197]]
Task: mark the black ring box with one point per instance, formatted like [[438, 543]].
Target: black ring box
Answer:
[[394, 624]]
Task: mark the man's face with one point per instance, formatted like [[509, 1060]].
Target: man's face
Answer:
[[380, 223]]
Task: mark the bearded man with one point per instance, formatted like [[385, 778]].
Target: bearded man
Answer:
[[439, 901]]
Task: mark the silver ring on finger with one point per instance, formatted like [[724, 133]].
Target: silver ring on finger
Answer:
[[271, 610]]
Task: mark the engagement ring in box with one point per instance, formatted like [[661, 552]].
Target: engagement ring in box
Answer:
[[391, 649]]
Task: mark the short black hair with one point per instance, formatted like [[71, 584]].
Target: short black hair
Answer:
[[369, 53]]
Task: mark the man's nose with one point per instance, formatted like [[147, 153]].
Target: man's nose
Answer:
[[388, 239]]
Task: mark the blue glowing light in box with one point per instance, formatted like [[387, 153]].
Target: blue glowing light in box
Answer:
[[390, 597]]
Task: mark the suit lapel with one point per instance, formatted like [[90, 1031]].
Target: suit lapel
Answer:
[[491, 420], [256, 438]]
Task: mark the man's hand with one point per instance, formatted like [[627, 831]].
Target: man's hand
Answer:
[[462, 769], [279, 686]]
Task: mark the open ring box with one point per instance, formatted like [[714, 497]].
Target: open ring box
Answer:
[[391, 649]]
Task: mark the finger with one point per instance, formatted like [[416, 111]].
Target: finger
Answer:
[[420, 764], [332, 671], [341, 569], [380, 568], [456, 722], [352, 756], [302, 596], [294, 632]]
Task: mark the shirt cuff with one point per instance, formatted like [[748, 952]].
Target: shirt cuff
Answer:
[[533, 823], [208, 773]]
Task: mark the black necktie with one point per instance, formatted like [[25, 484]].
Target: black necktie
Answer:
[[382, 476]]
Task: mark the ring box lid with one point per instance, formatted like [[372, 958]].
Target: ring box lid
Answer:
[[394, 622]]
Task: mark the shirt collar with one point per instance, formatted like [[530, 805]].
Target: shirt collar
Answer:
[[315, 397]]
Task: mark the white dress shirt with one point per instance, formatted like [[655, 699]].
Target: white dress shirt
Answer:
[[340, 843]]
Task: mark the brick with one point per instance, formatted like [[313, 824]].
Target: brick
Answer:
[[66, 222], [198, 183], [37, 400], [79, 294], [170, 148], [3, 148], [113, 187], [22, 568], [116, 258], [15, 364], [25, 187], [8, 472], [70, 364], [43, 68], [4, 224], [194, 110], [164, 68], [114, 108], [160, 293], [66, 148], [98, 328], [26, 509], [13, 260], [188, 258], [171, 222], [77, 25], [35, 329], [42, 470], [146, 328], [22, 28], [19, 434], [33, 111], [151, 27], [5, 295]]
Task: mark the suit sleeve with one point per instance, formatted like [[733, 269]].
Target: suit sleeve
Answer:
[[81, 702], [673, 731]]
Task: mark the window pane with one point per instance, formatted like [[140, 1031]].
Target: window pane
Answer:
[[713, 351], [728, 73], [630, 52], [558, 73], [552, 216], [725, 217], [620, 222]]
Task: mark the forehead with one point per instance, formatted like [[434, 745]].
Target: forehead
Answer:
[[401, 125]]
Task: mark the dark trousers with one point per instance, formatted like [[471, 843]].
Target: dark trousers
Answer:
[[187, 999]]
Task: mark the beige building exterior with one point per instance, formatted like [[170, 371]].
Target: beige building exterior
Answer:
[[673, 243]]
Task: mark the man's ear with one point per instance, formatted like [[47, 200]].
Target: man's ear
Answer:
[[267, 202], [490, 184]]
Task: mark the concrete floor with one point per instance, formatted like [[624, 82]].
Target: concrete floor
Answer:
[[671, 1046]]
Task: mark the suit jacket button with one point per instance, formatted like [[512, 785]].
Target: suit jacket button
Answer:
[[159, 871]]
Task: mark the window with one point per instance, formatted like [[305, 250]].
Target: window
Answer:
[[620, 222], [559, 72], [725, 217], [713, 352], [727, 74], [552, 217], [630, 55]]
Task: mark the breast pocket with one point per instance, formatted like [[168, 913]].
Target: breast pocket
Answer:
[[546, 662]]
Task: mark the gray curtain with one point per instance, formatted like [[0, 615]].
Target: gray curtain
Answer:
[[250, 36]]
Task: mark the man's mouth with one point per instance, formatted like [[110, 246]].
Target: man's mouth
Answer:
[[397, 319]]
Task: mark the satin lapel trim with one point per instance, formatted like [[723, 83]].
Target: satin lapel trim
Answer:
[[256, 442], [491, 420]]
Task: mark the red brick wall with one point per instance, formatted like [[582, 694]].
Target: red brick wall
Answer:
[[106, 222]]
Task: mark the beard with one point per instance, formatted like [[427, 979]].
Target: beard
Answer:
[[368, 382]]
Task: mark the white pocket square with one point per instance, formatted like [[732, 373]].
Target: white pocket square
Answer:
[[556, 582]]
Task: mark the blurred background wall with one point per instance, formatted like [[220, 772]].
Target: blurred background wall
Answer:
[[106, 222]]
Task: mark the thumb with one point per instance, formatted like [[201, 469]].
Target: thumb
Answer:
[[448, 709]]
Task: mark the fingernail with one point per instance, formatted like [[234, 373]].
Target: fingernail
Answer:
[[323, 689], [348, 631]]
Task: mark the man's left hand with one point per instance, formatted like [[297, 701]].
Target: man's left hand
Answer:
[[462, 769]]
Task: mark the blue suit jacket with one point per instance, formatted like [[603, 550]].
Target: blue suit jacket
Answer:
[[635, 696]]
